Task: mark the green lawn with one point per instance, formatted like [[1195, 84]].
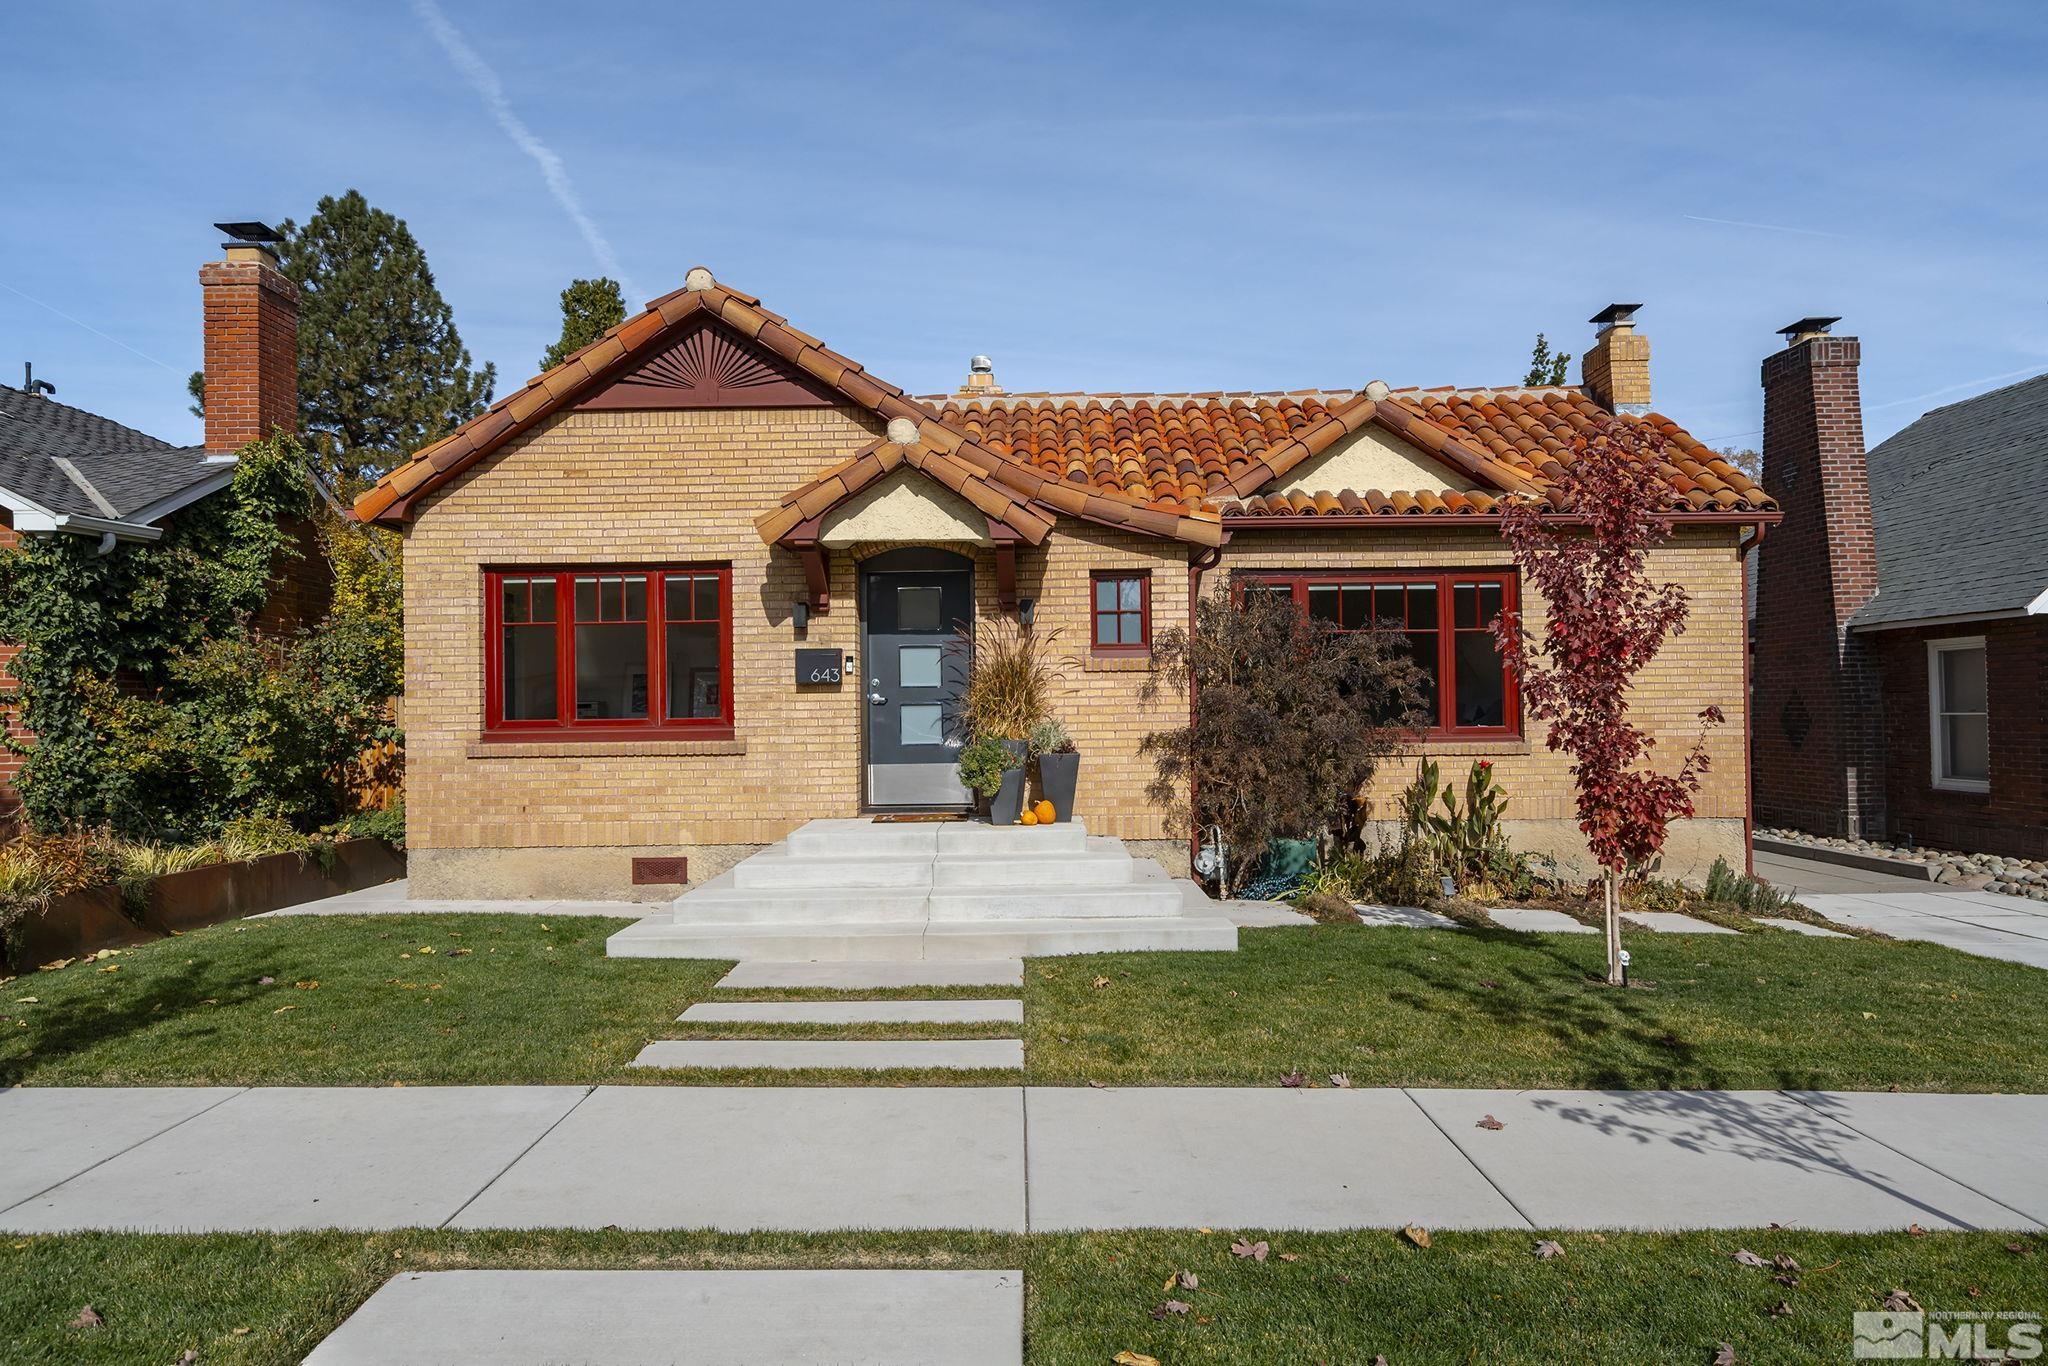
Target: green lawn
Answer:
[[1342, 1297], [1491, 1008], [505, 999]]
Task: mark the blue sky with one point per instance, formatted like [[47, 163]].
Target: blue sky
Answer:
[[1108, 197]]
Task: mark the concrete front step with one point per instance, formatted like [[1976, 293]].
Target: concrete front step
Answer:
[[956, 1055], [778, 869], [662, 936], [1111, 867], [730, 905], [1057, 902], [862, 976], [858, 837]]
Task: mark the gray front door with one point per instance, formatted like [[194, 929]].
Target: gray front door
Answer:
[[914, 666]]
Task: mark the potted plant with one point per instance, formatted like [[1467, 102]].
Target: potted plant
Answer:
[[984, 768], [1059, 766], [1011, 675]]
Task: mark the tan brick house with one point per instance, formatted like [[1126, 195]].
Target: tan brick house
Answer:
[[689, 589]]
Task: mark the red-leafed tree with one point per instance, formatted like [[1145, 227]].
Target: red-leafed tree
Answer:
[[1586, 551]]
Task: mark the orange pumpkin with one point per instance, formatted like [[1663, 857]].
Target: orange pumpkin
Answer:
[[1029, 817], [1046, 815]]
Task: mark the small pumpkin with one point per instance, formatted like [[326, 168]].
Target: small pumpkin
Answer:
[[1046, 815], [1030, 817]]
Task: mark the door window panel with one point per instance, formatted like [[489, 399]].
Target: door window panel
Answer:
[[919, 608], [917, 666], [922, 723]]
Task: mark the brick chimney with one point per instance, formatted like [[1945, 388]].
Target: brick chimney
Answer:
[[1819, 755], [981, 380], [252, 340], [1616, 372]]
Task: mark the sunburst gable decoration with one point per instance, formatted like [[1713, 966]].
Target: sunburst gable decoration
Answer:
[[712, 366]]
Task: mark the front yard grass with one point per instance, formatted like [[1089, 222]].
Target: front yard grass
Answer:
[[459, 999], [249, 1299], [1489, 1008]]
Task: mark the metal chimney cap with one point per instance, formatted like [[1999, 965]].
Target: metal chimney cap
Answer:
[[1615, 313], [981, 365], [261, 233], [1807, 327]]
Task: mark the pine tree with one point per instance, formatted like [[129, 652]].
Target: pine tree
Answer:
[[590, 308], [1547, 369], [382, 370]]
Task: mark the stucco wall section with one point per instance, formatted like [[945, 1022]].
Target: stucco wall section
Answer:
[[1370, 459]]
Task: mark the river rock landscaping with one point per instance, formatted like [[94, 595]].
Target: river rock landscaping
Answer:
[[1986, 872]]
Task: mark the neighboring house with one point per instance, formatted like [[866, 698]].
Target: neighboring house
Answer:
[[64, 471], [616, 579], [1902, 612]]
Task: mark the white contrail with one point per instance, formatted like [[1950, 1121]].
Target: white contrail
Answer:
[[485, 82], [1766, 227]]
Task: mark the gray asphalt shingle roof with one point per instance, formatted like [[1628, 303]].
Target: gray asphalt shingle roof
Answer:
[[130, 469], [1959, 501]]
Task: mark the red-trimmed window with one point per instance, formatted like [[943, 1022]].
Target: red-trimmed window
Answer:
[[595, 652], [1447, 618], [1120, 607]]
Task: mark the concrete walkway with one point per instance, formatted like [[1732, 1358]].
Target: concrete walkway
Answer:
[[1012, 1159], [1988, 924]]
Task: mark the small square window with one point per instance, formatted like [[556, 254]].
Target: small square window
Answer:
[[1121, 611]]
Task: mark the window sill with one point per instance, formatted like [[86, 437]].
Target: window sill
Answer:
[[1117, 661], [1962, 786], [582, 747], [1483, 747]]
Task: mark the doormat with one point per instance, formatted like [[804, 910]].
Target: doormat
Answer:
[[908, 817]]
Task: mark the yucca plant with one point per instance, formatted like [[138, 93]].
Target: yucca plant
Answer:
[[1012, 674]]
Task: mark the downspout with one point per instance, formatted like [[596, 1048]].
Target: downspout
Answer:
[[1198, 566], [1742, 553]]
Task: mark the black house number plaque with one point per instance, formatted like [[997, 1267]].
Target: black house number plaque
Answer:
[[818, 667]]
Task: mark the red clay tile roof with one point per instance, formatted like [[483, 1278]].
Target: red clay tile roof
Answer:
[[1174, 465]]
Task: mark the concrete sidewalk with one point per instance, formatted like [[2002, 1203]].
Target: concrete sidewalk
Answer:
[[1012, 1159]]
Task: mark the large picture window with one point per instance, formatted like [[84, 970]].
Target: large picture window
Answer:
[[1959, 707], [620, 651], [1447, 619]]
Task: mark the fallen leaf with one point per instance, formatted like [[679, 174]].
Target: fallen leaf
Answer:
[[282, 1009], [1789, 1282], [307, 986], [243, 1332], [1489, 1123], [188, 1357], [88, 1317], [111, 967], [1784, 1263], [1099, 983], [1748, 1258], [1172, 1307], [1379, 1359], [1256, 1251], [429, 948], [1869, 1014], [1781, 1310], [1098, 1086], [1490, 986], [1184, 1280], [1724, 1355], [1341, 1080], [1899, 1301], [1290, 1256], [2016, 1249], [1548, 1248], [457, 953], [265, 981], [1974, 1293], [1416, 1235], [1134, 1359], [1294, 1079], [1916, 1230], [28, 1000]]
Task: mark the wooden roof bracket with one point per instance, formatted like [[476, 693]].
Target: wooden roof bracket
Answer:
[[816, 559], [1006, 539]]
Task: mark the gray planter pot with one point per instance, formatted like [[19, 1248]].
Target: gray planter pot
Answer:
[[1008, 803], [1057, 776]]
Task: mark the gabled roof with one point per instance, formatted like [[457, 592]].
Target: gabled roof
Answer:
[[1946, 546], [394, 496], [840, 483], [1174, 465], [69, 463]]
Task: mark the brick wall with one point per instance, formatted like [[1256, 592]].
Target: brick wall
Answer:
[[2012, 818], [1819, 762], [1700, 668]]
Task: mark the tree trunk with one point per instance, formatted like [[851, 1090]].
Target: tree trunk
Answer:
[[1610, 888]]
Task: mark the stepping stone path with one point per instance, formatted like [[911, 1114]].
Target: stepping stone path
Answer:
[[1801, 927], [1404, 917], [684, 1318], [1671, 922], [1534, 920], [857, 1054]]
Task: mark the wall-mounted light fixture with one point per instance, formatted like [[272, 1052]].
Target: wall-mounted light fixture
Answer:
[[1027, 608], [800, 616]]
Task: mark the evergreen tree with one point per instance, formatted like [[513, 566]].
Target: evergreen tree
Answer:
[[590, 308], [1545, 368], [382, 370]]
